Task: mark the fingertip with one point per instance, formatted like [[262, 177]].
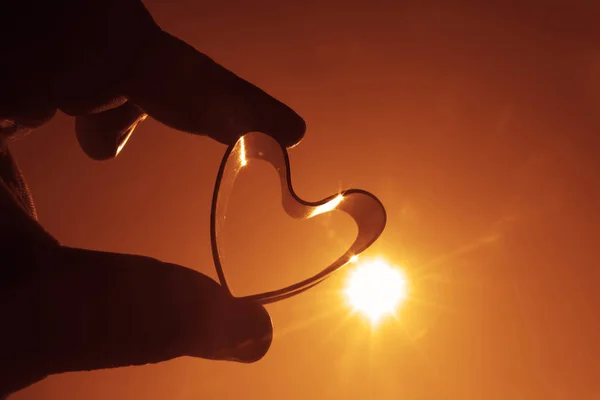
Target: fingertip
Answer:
[[297, 134], [288, 127], [275, 119], [103, 135], [246, 332], [255, 322]]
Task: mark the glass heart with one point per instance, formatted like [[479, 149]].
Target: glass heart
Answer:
[[363, 207]]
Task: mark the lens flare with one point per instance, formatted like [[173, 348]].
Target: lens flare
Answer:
[[375, 288]]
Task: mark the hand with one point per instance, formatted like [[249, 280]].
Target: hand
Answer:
[[62, 309]]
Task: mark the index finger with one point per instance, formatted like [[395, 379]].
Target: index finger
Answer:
[[186, 90]]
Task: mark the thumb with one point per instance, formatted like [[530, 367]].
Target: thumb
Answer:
[[94, 310]]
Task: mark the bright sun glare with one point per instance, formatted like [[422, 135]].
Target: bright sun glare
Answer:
[[375, 288]]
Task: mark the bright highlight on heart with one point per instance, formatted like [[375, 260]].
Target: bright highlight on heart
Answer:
[[375, 288]]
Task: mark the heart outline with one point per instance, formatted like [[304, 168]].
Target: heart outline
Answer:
[[364, 208]]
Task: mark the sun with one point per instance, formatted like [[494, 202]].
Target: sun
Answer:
[[375, 288]]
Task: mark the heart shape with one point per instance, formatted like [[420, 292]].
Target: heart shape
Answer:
[[363, 207]]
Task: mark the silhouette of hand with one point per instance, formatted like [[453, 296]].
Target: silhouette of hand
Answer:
[[63, 309]]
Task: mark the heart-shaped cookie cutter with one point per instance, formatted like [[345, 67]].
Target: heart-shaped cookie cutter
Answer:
[[364, 208]]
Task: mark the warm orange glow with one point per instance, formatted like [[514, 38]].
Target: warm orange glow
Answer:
[[376, 288], [477, 127]]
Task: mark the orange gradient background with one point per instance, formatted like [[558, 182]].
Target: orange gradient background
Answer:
[[477, 127]]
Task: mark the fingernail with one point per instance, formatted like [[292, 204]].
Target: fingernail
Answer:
[[250, 332]]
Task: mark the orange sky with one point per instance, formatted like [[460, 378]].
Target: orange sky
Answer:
[[479, 131]]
